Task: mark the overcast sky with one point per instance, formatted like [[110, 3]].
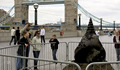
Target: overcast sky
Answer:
[[109, 10]]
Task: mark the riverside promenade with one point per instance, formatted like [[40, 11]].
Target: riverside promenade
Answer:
[[47, 54]]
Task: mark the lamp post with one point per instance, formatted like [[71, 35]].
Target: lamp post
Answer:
[[79, 21], [113, 25], [35, 6], [101, 24]]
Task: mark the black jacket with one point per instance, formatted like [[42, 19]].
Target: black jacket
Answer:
[[56, 43], [22, 48], [17, 33]]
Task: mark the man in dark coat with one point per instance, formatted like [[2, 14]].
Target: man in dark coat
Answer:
[[17, 34]]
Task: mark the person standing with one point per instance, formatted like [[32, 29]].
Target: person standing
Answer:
[[116, 40], [36, 48], [75, 22], [97, 32], [27, 28], [54, 46], [22, 49], [42, 34], [13, 36], [17, 34]]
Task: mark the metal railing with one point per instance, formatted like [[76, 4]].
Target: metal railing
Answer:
[[9, 50], [65, 50], [106, 65], [8, 62], [45, 52], [109, 48]]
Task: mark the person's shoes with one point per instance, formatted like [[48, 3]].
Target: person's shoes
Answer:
[[37, 69]]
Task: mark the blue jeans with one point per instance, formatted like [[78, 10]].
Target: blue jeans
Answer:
[[36, 55], [54, 51], [118, 53], [13, 37], [19, 63], [43, 38]]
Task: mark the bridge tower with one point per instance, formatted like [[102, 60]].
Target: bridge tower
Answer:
[[21, 14], [71, 13]]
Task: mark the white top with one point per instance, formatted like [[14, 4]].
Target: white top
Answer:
[[36, 40], [97, 33], [12, 32], [42, 32]]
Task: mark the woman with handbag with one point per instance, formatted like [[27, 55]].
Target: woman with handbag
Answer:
[[23, 42]]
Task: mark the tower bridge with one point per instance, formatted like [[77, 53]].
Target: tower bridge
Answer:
[[71, 13]]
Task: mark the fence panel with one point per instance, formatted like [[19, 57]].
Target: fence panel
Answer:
[[45, 52], [109, 48], [110, 51], [9, 63], [9, 50], [72, 46], [104, 66]]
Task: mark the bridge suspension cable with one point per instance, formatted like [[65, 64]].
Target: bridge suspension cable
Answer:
[[4, 16], [7, 20], [96, 19]]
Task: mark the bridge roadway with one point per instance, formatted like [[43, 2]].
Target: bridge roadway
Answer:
[[104, 26], [47, 54]]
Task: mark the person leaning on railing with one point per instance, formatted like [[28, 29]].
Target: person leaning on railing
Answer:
[[116, 40], [27, 28], [23, 42], [36, 48]]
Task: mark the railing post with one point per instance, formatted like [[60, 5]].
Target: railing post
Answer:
[[100, 23], [67, 52]]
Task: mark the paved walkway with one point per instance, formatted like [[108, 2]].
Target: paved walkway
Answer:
[[46, 52], [105, 38]]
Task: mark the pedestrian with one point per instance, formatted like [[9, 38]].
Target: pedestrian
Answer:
[[36, 48], [17, 34], [12, 36], [54, 46], [22, 49], [42, 34], [97, 32], [27, 28], [116, 40], [75, 22]]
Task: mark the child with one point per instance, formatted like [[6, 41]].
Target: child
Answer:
[[54, 46], [23, 44], [36, 48]]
